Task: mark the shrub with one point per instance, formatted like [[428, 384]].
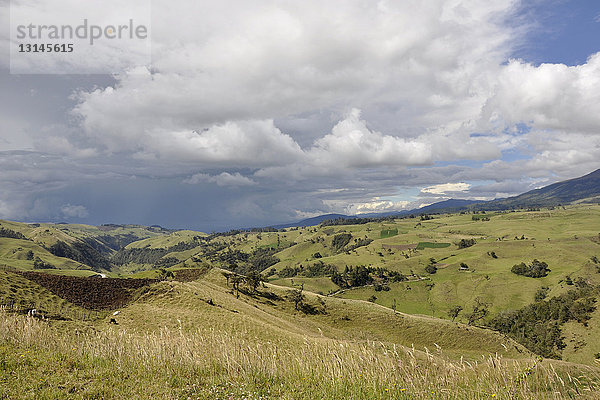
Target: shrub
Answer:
[[537, 269], [431, 269], [38, 263], [464, 243]]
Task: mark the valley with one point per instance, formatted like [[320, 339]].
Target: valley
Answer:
[[437, 288]]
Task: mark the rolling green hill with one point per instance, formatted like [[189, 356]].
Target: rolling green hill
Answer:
[[199, 339], [363, 309], [394, 271]]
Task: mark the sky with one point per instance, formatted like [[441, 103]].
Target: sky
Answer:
[[259, 112]]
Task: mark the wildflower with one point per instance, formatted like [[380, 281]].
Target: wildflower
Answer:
[[493, 394]]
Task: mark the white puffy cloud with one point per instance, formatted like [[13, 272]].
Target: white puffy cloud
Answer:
[[411, 66], [549, 96], [74, 211], [223, 179], [352, 144], [446, 188], [376, 206]]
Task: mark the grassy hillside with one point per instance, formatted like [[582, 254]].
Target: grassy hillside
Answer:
[[67, 248], [374, 314], [566, 238], [198, 339]]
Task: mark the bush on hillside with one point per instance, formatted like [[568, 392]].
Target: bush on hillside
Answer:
[[431, 269], [9, 233], [340, 240], [537, 269], [464, 243]]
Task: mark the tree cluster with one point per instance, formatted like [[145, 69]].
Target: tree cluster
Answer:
[[538, 325], [537, 269], [9, 233], [340, 241], [361, 276], [464, 243], [80, 252], [38, 263], [360, 242]]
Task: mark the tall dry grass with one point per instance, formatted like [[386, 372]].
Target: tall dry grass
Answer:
[[217, 364]]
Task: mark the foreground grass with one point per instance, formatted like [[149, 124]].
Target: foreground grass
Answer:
[[36, 361]]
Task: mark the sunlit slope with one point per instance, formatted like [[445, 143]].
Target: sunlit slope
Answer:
[[167, 240], [80, 247], [209, 304]]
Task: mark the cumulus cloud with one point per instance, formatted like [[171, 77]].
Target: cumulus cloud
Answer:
[[446, 188], [378, 205], [223, 179], [352, 144], [411, 67], [74, 211], [548, 96]]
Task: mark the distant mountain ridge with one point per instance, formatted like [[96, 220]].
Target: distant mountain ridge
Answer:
[[312, 221], [564, 192], [585, 187]]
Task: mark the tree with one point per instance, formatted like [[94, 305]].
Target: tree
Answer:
[[454, 311], [253, 279], [227, 276], [235, 282], [296, 297], [30, 255], [480, 311]]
